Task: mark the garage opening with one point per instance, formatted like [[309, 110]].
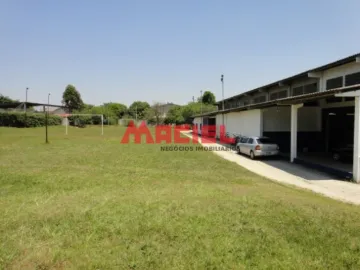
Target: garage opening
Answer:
[[338, 126], [212, 127], [335, 151], [325, 134], [208, 128]]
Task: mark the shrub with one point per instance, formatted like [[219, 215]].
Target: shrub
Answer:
[[85, 120], [20, 119], [111, 121], [96, 120], [74, 120]]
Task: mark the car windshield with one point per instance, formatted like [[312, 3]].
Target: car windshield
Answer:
[[265, 141], [244, 139]]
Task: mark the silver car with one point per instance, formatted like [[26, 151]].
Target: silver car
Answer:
[[257, 147]]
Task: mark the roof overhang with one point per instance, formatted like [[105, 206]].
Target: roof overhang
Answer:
[[349, 94], [282, 83], [291, 100], [14, 105], [312, 73], [316, 74]]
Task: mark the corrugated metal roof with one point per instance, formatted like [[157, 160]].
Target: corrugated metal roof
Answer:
[[304, 74], [287, 100]]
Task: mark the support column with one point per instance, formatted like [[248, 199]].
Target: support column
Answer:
[[293, 134], [356, 158], [356, 162], [261, 122]]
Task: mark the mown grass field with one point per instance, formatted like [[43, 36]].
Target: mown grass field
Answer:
[[85, 201]]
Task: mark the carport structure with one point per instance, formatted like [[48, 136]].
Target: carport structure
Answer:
[[297, 103], [313, 122], [23, 105], [305, 114]]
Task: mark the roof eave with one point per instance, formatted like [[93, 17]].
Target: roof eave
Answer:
[[290, 100], [347, 60]]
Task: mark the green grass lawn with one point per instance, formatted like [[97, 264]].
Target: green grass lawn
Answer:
[[85, 201]]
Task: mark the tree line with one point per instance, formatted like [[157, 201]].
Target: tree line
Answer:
[[140, 110]]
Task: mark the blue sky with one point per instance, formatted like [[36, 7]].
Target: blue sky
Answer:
[[166, 50]]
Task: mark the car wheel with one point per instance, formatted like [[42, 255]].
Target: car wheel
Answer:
[[336, 156], [252, 155]]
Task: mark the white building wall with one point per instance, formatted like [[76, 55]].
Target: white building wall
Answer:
[[247, 123], [277, 119], [219, 122]]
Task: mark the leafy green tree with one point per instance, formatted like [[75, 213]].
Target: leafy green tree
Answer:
[[72, 99], [117, 110], [175, 116], [87, 107], [194, 108], [137, 109], [208, 98], [149, 116], [6, 100], [97, 110]]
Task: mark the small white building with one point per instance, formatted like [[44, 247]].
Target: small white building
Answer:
[[311, 112]]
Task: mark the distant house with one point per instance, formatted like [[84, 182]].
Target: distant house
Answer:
[[58, 111], [164, 108]]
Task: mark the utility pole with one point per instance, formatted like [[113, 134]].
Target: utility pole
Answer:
[[201, 107], [201, 101], [48, 108], [26, 95], [223, 106], [46, 120], [108, 113], [193, 99]]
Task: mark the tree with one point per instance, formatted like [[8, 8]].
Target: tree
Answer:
[[208, 98], [194, 108], [72, 98], [6, 100], [175, 116], [117, 110], [157, 111], [88, 107], [137, 109], [149, 115]]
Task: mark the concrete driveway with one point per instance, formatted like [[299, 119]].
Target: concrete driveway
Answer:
[[294, 174]]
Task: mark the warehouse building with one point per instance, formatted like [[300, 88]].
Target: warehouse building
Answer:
[[308, 114]]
